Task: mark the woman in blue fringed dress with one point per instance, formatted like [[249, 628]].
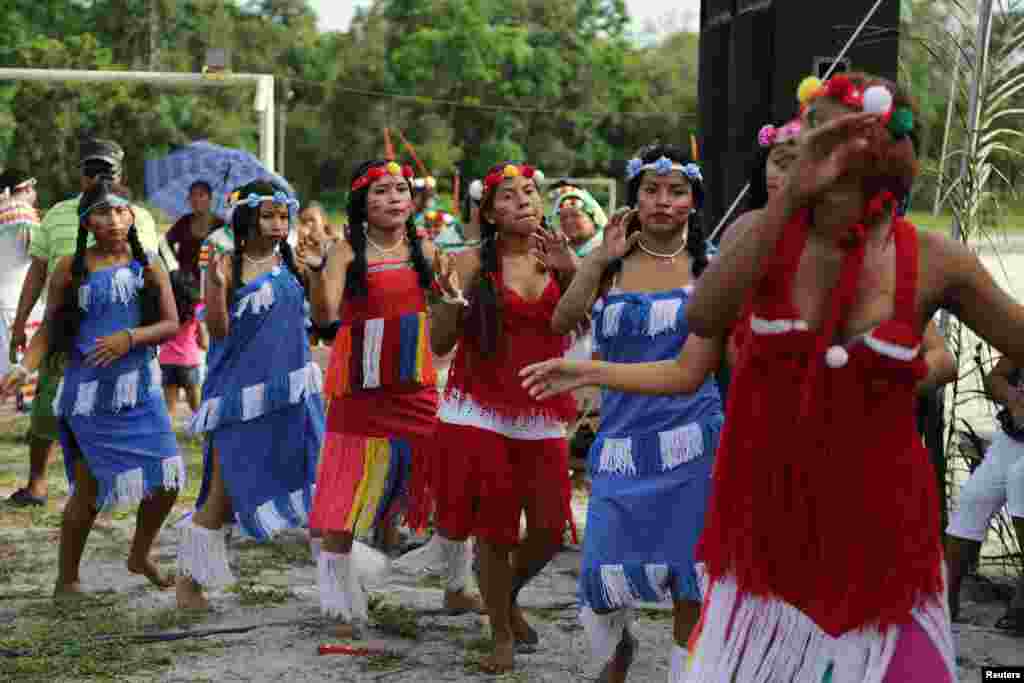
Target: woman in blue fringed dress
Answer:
[[108, 307], [262, 411], [651, 462]]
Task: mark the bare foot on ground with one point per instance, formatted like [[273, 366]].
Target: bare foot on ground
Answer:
[[501, 660], [68, 591], [151, 572], [190, 594], [521, 629], [461, 602]]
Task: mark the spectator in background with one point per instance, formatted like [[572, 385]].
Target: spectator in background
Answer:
[[581, 219], [55, 237], [460, 236], [180, 355], [313, 223], [18, 216], [186, 236]]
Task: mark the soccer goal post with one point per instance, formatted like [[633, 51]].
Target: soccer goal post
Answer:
[[264, 83]]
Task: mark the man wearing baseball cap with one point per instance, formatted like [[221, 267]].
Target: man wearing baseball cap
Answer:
[[49, 241]]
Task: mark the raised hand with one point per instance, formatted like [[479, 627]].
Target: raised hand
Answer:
[[554, 251], [829, 152], [616, 243], [14, 380], [556, 376], [447, 275], [220, 269]]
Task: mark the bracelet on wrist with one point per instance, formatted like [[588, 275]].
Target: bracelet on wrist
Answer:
[[131, 339]]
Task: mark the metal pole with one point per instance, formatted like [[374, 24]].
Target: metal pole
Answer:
[[945, 134], [264, 90]]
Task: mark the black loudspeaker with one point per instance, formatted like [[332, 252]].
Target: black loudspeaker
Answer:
[[753, 55]]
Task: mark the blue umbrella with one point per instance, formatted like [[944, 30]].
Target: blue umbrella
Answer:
[[224, 168]]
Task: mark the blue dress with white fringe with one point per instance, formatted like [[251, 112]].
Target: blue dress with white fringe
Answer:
[[262, 408], [116, 415], [650, 463]]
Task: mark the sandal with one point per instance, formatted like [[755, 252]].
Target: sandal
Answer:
[[1012, 622], [22, 498]]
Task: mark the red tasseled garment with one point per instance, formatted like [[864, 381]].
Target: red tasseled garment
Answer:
[[494, 383], [824, 495]]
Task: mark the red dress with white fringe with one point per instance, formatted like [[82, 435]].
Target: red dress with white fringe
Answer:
[[498, 444], [822, 538], [382, 389]]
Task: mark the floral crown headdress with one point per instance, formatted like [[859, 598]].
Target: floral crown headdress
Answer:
[[663, 166], [495, 178], [769, 135], [875, 99], [253, 200], [377, 172]]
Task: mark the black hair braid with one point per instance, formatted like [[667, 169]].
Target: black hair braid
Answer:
[[484, 319], [288, 256], [150, 295], [68, 318], [696, 244], [424, 272], [236, 264], [356, 283], [183, 285]]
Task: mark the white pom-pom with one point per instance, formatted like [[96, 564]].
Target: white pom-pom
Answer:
[[448, 219], [538, 175], [476, 190], [419, 183], [837, 357], [877, 100]]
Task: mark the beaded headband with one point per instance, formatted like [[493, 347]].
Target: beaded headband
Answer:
[[254, 200], [663, 166], [511, 171], [876, 99], [111, 200], [378, 172]]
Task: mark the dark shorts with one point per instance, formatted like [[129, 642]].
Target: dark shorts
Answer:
[[180, 375]]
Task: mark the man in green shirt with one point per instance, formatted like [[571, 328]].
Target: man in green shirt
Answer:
[[52, 239]]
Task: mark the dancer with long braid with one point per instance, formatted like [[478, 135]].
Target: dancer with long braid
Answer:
[[371, 293], [262, 412], [108, 307], [650, 464], [501, 452]]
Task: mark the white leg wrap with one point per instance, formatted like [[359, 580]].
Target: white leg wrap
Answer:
[[203, 555], [458, 563], [677, 672], [604, 632], [334, 575]]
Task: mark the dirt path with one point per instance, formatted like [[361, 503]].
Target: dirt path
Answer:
[[277, 595]]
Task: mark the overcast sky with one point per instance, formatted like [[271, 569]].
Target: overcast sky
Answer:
[[659, 15]]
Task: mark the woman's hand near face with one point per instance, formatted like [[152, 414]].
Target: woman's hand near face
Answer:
[[826, 154]]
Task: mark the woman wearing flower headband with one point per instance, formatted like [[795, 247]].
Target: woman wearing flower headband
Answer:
[[824, 553], [108, 307], [651, 462], [372, 291], [501, 452], [262, 411]]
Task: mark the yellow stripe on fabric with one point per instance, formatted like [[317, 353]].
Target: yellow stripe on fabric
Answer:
[[376, 463], [421, 349]]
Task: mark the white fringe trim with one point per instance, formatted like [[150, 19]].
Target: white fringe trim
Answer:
[[85, 399], [124, 285], [604, 633], [203, 555], [343, 578], [617, 457], [458, 563], [129, 487], [84, 296], [617, 590], [272, 520], [657, 578], [677, 670], [612, 317], [782, 326], [427, 559], [256, 301], [253, 401], [681, 445], [175, 473], [663, 316], [303, 382], [774, 641], [464, 411], [373, 341], [890, 350], [316, 546], [126, 391]]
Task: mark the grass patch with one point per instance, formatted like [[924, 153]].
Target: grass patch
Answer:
[[385, 662], [654, 614], [87, 640], [395, 620], [251, 594], [431, 581], [278, 556], [1011, 221]]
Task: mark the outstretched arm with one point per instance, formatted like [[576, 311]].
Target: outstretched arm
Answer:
[[941, 363], [683, 375]]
